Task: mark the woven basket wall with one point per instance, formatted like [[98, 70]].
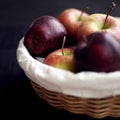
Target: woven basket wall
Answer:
[[96, 108]]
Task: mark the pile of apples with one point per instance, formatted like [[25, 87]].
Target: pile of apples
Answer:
[[76, 41]]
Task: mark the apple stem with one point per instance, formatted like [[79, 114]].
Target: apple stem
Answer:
[[108, 13], [64, 39], [83, 11]]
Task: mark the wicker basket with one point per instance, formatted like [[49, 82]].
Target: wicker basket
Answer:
[[96, 107]]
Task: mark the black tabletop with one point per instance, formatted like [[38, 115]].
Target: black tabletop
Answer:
[[17, 98]]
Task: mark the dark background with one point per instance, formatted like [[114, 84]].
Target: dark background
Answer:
[[17, 98], [23, 12]]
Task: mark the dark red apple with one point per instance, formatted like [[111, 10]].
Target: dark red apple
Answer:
[[99, 52], [44, 35]]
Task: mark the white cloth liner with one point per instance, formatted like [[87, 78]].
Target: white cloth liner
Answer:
[[83, 84]]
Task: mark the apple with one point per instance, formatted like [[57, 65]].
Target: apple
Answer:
[[96, 22], [71, 18], [44, 35], [99, 52], [61, 59]]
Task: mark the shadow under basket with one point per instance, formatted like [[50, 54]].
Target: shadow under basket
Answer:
[[96, 108]]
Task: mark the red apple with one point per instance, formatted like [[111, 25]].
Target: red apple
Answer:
[[96, 22], [61, 59], [71, 19], [44, 35], [99, 52]]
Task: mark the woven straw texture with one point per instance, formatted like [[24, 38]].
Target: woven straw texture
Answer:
[[96, 108]]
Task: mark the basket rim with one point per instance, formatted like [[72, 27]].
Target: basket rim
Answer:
[[83, 84]]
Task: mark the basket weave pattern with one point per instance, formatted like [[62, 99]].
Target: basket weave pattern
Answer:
[[96, 108]]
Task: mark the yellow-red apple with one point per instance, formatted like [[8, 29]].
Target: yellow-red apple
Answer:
[[61, 59], [96, 23]]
